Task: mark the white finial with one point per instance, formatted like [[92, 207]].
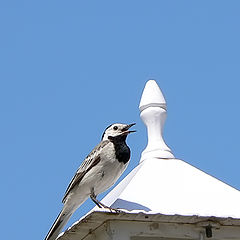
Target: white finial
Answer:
[[153, 114]]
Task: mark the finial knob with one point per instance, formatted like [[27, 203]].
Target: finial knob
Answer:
[[153, 114]]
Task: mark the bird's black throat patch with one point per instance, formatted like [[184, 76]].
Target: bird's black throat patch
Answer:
[[122, 151]]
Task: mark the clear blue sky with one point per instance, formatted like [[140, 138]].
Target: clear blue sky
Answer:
[[70, 68]]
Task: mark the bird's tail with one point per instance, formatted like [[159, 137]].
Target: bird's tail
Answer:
[[58, 225]]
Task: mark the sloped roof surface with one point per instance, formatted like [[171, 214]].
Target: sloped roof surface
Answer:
[[172, 186], [162, 185]]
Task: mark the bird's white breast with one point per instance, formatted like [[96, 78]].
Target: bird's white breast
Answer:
[[105, 173]]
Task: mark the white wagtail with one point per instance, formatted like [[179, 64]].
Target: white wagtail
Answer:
[[98, 172]]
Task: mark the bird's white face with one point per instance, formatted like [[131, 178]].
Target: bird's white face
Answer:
[[117, 129]]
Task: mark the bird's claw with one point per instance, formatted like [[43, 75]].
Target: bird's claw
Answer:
[[114, 210]]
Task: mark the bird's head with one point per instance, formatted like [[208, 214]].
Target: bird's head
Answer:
[[117, 130]]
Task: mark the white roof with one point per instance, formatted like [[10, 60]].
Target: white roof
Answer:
[[163, 184], [174, 187]]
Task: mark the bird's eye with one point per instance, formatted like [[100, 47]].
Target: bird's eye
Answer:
[[115, 128]]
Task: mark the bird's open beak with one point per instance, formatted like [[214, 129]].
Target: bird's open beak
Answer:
[[126, 129]]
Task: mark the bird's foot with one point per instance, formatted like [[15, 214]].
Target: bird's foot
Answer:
[[114, 209], [101, 205], [111, 209], [117, 210]]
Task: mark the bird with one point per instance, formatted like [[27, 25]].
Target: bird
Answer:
[[98, 172]]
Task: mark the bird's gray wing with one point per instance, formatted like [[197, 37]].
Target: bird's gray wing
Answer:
[[90, 161]]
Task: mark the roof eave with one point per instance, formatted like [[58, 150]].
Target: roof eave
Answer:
[[95, 219]]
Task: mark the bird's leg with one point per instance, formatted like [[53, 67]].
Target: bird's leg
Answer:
[[99, 204], [94, 199]]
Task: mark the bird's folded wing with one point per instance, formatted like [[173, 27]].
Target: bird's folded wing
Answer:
[[90, 161]]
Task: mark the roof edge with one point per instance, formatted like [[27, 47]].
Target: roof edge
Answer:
[[97, 218]]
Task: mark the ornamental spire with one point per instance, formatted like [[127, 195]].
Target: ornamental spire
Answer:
[[153, 110]]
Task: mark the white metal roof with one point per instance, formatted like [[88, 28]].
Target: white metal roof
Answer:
[[174, 187], [164, 185]]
